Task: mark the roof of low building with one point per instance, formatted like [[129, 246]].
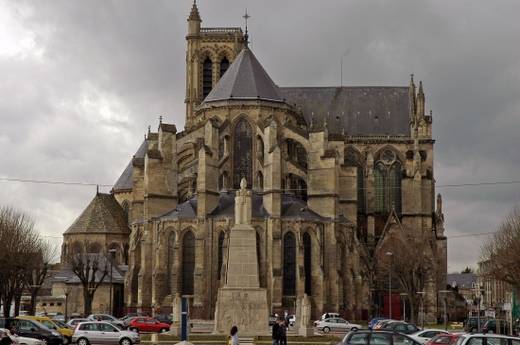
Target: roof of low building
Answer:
[[462, 280], [102, 215], [353, 110], [245, 79]]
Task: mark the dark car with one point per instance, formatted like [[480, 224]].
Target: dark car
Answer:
[[32, 329], [164, 318], [401, 327], [368, 337], [490, 326], [471, 324]]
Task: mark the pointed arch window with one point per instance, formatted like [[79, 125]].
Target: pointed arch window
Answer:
[[387, 180], [307, 262], [188, 263], [242, 154], [360, 190], [224, 65], [394, 187], [169, 261], [379, 185], [289, 265], [207, 77], [220, 260]]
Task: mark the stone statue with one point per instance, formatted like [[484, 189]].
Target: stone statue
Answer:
[[303, 317], [243, 204]]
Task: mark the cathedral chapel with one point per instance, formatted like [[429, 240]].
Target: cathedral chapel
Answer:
[[335, 173]]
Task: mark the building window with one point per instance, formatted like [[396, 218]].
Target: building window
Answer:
[[387, 180], [379, 185], [289, 265], [188, 263], [207, 77], [220, 259], [307, 262], [169, 261], [242, 152], [360, 190], [224, 65], [394, 187]]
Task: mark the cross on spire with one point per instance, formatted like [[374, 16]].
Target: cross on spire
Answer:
[[246, 36]]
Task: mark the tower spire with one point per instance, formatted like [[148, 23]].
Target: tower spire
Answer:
[[246, 36]]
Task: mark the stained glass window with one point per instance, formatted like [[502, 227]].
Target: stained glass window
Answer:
[[307, 262], [379, 185], [169, 261], [394, 187], [360, 190], [224, 65], [289, 265], [188, 263], [207, 77], [242, 154]]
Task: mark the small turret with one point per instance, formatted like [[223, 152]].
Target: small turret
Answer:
[[194, 20], [411, 96], [420, 101]]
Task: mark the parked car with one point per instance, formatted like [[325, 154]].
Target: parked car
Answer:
[[73, 322], [147, 324], [164, 318], [374, 322], [471, 324], [329, 315], [487, 339], [364, 337], [444, 339], [292, 320], [424, 335], [101, 332], [17, 340], [107, 318], [336, 324], [401, 327], [381, 323], [32, 329], [66, 332], [490, 326]]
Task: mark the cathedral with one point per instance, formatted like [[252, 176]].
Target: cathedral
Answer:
[[334, 172]]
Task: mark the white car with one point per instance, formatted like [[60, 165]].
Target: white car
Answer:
[[489, 339], [426, 334], [336, 324], [22, 340]]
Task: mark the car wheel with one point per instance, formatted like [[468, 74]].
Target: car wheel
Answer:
[[164, 330], [83, 341], [353, 329], [125, 341], [326, 329], [66, 341]]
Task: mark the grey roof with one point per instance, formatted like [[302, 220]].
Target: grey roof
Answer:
[[462, 280], [185, 210], [66, 275], [294, 207], [226, 206], [245, 79], [358, 110], [102, 215], [125, 181]]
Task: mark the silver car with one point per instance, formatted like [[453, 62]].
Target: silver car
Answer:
[[99, 332]]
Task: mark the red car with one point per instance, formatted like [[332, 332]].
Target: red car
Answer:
[[147, 324], [444, 339]]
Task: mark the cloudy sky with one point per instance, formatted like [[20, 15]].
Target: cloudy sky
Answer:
[[82, 80]]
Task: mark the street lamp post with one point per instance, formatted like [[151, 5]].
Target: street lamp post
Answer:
[[422, 293], [444, 304], [112, 253], [389, 254], [403, 296]]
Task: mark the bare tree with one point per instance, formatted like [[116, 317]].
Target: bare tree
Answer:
[[501, 254], [18, 243], [411, 267], [91, 269], [38, 270]]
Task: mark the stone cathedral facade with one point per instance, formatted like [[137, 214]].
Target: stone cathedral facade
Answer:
[[334, 171]]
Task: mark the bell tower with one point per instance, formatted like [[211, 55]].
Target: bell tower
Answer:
[[209, 53]]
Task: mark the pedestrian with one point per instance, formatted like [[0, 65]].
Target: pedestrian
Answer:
[[276, 332], [283, 332], [233, 336]]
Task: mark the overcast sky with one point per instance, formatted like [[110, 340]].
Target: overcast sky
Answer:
[[80, 81]]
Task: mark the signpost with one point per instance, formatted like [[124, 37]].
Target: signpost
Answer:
[[184, 319]]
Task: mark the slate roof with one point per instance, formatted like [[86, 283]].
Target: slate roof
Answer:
[[125, 181], [102, 215], [462, 280], [65, 275], [358, 110], [185, 210], [226, 206], [293, 207], [245, 79]]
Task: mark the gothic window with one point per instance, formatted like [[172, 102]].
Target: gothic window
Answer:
[[125, 207], [260, 149], [223, 181], [242, 151], [260, 180], [394, 187], [259, 258], [224, 65], [360, 190], [379, 185], [169, 261], [220, 260], [93, 247], [289, 265], [188, 263], [307, 262], [207, 77]]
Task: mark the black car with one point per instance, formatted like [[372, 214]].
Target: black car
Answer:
[[368, 337], [471, 324], [164, 318], [32, 329], [401, 327]]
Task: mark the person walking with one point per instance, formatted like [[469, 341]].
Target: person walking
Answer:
[[276, 332], [233, 336], [283, 332]]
